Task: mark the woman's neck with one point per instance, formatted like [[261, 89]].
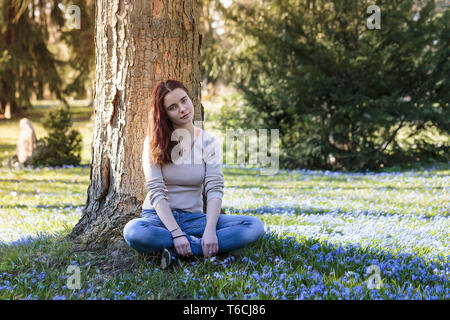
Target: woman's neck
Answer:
[[190, 127]]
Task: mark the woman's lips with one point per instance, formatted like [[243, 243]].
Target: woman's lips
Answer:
[[185, 116]]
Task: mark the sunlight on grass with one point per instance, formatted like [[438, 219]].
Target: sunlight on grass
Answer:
[[40, 200], [323, 230]]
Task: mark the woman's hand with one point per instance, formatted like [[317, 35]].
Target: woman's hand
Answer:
[[182, 246], [210, 244]]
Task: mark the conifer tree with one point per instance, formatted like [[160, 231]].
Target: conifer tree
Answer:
[[27, 65], [340, 92]]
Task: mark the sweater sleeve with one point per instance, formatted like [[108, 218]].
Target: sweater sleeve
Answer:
[[214, 182], [154, 181]]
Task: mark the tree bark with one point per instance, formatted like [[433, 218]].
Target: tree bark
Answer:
[[138, 43]]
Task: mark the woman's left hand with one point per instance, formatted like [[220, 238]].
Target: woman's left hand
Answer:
[[210, 244]]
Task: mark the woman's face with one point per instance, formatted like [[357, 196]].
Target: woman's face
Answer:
[[179, 107]]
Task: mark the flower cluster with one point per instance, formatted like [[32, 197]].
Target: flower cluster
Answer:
[[322, 270], [329, 235]]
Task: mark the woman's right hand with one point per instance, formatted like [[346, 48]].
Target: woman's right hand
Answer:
[[182, 246]]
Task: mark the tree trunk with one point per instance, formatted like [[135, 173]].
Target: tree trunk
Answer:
[[138, 43], [8, 113]]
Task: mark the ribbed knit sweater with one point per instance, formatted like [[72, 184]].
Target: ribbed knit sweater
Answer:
[[181, 184]]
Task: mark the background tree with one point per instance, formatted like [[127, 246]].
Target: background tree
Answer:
[[339, 92], [211, 41], [62, 145], [27, 30], [137, 44]]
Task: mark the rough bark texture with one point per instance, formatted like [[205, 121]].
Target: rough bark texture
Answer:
[[138, 43]]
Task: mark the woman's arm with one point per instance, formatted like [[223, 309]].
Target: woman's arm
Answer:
[[165, 214], [154, 180], [212, 213], [210, 243], [214, 184], [181, 244]]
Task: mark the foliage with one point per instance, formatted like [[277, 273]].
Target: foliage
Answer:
[[339, 92], [62, 146], [235, 113], [209, 40], [29, 32]]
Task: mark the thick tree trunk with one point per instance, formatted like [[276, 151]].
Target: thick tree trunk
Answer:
[[138, 43]]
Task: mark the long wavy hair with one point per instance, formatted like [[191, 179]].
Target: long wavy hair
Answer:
[[160, 127]]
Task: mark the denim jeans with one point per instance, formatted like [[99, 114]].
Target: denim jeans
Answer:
[[149, 235]]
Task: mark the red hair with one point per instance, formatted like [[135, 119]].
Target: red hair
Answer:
[[160, 128]]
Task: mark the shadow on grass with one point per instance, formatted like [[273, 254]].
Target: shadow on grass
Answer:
[[308, 256], [326, 257], [62, 252], [314, 188], [297, 210], [64, 181], [43, 206]]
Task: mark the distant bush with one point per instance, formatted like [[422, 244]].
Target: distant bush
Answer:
[[236, 114], [62, 145]]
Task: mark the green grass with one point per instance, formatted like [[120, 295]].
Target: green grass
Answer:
[[303, 229]]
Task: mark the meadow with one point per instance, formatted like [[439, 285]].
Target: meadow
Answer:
[[329, 235]]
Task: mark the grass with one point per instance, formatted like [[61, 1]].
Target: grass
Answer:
[[324, 231]]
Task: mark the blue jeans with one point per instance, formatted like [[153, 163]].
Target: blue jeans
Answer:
[[149, 235]]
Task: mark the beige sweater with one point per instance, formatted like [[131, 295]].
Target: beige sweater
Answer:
[[181, 183]]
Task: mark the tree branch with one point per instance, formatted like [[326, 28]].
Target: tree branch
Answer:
[[381, 149]]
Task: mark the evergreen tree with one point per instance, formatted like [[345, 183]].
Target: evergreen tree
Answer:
[[62, 145], [338, 91], [26, 63]]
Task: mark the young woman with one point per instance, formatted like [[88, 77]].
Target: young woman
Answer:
[[180, 159]]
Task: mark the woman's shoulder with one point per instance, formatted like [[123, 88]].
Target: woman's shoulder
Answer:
[[212, 147], [208, 137]]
